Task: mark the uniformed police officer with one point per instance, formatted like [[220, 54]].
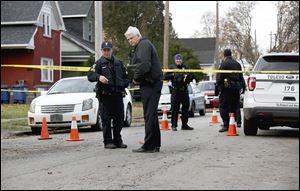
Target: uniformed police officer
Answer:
[[180, 94], [148, 74], [110, 74], [229, 85]]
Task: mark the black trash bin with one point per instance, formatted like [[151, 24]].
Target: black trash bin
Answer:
[[5, 96], [20, 97]]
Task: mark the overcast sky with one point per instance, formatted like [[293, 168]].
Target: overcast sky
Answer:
[[186, 17]]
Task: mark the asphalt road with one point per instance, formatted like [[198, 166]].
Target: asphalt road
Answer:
[[198, 159]]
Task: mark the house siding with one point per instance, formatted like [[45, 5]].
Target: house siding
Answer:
[[44, 48]]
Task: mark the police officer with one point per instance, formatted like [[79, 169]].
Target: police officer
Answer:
[[229, 85], [180, 94], [148, 74], [110, 74]]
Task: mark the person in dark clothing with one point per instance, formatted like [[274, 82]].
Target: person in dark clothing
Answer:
[[229, 85], [238, 117], [111, 76], [148, 74], [180, 94]]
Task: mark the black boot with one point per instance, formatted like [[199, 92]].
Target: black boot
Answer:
[[186, 127], [223, 129], [121, 145]]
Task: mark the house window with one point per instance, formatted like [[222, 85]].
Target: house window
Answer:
[[47, 24], [90, 29], [46, 74]]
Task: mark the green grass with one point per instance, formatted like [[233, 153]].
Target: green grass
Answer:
[[17, 125], [12, 111]]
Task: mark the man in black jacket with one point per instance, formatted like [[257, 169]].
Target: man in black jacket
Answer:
[[229, 85], [111, 76], [148, 74], [180, 93]]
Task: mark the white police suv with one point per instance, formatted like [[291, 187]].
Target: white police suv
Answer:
[[272, 99]]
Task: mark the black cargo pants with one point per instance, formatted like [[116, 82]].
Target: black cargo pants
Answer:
[[178, 98], [112, 108], [229, 100]]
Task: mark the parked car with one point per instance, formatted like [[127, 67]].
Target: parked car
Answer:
[[197, 101], [207, 88], [272, 99], [69, 97], [136, 93]]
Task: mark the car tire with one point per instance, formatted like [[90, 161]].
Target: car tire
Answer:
[[98, 125], [202, 111], [192, 111], [36, 130], [128, 118], [250, 127]]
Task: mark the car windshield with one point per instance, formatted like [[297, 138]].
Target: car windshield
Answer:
[[72, 86], [206, 86], [278, 63], [165, 90]]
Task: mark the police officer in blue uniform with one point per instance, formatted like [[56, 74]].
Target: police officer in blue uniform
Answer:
[[111, 78], [229, 85], [180, 94]]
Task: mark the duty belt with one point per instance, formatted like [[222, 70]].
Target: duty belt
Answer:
[[119, 93], [183, 88]]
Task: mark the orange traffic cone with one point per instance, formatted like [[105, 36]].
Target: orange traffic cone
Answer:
[[214, 117], [44, 131], [232, 128], [164, 122], [74, 135]]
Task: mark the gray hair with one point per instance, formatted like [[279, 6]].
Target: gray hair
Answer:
[[133, 30]]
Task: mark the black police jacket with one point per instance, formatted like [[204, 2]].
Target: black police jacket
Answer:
[[145, 62], [179, 80], [114, 71], [230, 80]]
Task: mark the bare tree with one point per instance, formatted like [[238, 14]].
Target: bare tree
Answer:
[[287, 36], [209, 20], [236, 33]]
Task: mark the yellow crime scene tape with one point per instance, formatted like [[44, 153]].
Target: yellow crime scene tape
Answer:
[[66, 68], [30, 91], [85, 69], [38, 91]]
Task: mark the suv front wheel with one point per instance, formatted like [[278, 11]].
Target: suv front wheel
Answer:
[[250, 127]]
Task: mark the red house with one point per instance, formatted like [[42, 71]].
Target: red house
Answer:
[[30, 35]]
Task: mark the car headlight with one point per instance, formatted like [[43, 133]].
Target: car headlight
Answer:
[[87, 104], [32, 107]]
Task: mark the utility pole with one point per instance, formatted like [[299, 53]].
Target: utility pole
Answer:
[[270, 41], [98, 29], [166, 36], [217, 38]]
